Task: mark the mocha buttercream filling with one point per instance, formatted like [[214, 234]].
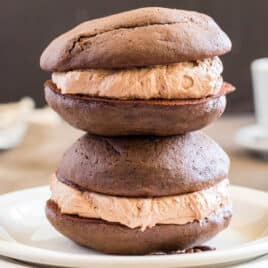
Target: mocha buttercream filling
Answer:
[[142, 212], [185, 80]]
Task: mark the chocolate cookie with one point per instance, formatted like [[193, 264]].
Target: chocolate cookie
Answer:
[[113, 117], [117, 239], [141, 37], [144, 166]]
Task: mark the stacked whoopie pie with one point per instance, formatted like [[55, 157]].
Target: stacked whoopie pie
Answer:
[[154, 72]]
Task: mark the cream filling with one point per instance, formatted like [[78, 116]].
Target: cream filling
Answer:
[[142, 212], [183, 80]]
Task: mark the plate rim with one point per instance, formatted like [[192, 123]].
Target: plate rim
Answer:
[[21, 251]]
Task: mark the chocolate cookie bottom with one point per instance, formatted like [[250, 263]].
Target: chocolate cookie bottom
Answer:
[[114, 117], [113, 238]]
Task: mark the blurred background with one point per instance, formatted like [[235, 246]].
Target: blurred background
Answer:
[[28, 26]]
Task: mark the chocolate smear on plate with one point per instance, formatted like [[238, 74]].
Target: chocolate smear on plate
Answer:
[[196, 249]]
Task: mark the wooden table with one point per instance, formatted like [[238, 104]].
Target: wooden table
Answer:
[[246, 169], [32, 162]]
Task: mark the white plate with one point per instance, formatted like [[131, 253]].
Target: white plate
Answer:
[[253, 138], [25, 234]]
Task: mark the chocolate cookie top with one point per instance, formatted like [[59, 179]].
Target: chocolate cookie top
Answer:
[[144, 166], [141, 37]]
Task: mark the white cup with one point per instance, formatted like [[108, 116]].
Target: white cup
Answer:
[[259, 72]]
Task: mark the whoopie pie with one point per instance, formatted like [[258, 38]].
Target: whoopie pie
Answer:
[[136, 195], [150, 71]]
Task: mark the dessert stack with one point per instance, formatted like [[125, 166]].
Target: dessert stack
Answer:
[[141, 84]]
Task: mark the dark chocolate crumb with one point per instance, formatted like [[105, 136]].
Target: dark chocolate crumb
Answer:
[[196, 249]]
